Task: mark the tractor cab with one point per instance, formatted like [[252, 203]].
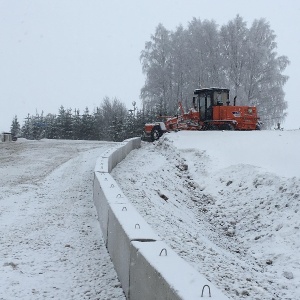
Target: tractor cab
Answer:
[[209, 97], [216, 113]]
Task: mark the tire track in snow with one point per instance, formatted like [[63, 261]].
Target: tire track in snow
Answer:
[[51, 244]]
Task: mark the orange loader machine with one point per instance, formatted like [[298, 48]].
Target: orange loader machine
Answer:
[[211, 111]]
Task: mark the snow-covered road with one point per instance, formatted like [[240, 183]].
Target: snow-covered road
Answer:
[[51, 246]]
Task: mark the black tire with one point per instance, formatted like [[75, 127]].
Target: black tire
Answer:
[[145, 137], [210, 127], [227, 126], [155, 134]]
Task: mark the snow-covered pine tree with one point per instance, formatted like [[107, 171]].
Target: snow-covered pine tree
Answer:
[[15, 128]]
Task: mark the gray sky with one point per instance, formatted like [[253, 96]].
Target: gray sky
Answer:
[[76, 52]]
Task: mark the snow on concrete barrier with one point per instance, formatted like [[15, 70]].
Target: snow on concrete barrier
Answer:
[[110, 158], [126, 225], [167, 274], [147, 268], [106, 192]]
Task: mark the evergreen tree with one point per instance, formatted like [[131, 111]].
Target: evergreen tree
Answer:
[[15, 127], [87, 126], [99, 124], [51, 127], [77, 125], [26, 128], [64, 123], [114, 114]]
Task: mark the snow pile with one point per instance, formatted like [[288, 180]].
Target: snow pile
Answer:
[[227, 202]]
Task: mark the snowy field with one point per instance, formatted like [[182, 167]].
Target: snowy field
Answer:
[[227, 202], [51, 246]]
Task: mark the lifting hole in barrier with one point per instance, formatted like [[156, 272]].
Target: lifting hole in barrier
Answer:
[[137, 226], [112, 186], [165, 250], [119, 196], [124, 208], [208, 290]]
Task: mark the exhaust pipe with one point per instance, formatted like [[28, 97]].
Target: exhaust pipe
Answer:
[[234, 101]]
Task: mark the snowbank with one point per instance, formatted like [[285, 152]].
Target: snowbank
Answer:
[[226, 202]]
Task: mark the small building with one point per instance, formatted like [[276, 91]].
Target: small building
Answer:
[[6, 137]]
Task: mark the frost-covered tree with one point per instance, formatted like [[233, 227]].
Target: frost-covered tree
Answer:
[[180, 65], [77, 125], [113, 115], [64, 123], [156, 65], [264, 81], [204, 53], [234, 41], [15, 127], [87, 125], [235, 56], [26, 128], [51, 127]]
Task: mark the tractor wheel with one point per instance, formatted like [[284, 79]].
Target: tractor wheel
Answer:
[[145, 137], [210, 127], [227, 126], [155, 134]]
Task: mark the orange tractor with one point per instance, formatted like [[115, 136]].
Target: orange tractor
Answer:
[[211, 111]]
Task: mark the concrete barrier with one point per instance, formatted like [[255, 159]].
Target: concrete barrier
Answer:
[[156, 267], [147, 268], [126, 225], [106, 192]]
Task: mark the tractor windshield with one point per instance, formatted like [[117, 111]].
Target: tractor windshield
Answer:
[[220, 97], [207, 98]]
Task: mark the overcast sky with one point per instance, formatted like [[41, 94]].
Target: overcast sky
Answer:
[[76, 52]]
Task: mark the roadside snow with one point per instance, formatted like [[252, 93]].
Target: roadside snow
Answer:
[[227, 202], [51, 245]]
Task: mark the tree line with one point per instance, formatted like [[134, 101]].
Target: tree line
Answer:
[[234, 56], [175, 63], [111, 121]]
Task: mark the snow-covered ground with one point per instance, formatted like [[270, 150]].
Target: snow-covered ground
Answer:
[[227, 202], [51, 245]]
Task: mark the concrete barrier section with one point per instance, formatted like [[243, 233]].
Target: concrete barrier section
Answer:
[[129, 145], [157, 272], [147, 268], [134, 143], [125, 225], [106, 192], [102, 165]]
